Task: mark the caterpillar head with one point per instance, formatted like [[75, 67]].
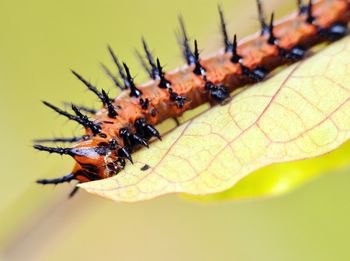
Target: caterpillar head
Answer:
[[98, 159], [95, 159]]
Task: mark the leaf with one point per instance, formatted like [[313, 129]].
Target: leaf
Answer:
[[277, 179], [301, 112]]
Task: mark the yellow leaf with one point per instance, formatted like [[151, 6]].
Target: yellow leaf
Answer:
[[277, 179], [301, 112]]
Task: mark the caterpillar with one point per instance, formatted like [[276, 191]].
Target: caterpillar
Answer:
[[127, 122]]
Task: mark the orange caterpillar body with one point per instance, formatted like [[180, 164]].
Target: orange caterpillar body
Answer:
[[128, 121]]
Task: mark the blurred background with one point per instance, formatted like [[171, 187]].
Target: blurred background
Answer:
[[40, 41]]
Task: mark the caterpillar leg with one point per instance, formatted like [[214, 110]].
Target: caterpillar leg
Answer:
[[73, 192], [176, 121]]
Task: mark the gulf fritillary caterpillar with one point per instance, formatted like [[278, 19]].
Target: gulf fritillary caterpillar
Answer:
[[127, 122]]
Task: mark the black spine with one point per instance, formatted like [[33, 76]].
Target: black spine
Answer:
[[310, 18], [80, 118], [56, 181], [112, 77], [62, 112], [84, 120], [272, 39], [65, 140], [82, 108], [119, 67], [58, 150], [198, 69], [144, 64], [300, 5], [186, 49], [227, 43], [134, 92], [163, 83], [108, 103], [264, 27], [235, 57], [89, 85], [150, 59]]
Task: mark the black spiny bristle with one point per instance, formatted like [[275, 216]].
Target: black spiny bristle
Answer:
[[112, 77], [150, 59], [310, 19], [163, 83], [58, 150], [84, 120], [67, 140], [56, 181], [86, 109], [89, 85], [144, 64], [186, 49], [108, 103], [235, 57], [81, 119], [198, 70], [120, 68], [228, 45], [82, 108], [264, 27], [300, 5], [62, 112], [101, 95], [272, 38], [302, 8], [134, 92]]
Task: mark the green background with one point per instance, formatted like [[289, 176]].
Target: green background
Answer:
[[40, 42]]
